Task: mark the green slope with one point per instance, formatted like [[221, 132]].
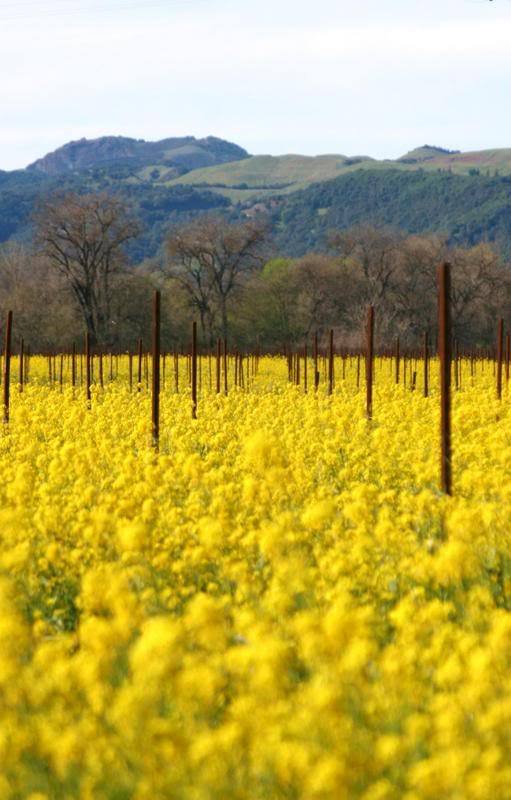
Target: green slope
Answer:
[[485, 161], [270, 173], [257, 177]]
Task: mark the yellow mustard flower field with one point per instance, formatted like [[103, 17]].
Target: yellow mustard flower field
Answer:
[[280, 603]]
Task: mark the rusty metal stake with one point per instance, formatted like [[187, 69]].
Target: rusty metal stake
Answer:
[[369, 361], [155, 396], [331, 362], [500, 347], [139, 375], [7, 366], [445, 353], [426, 364], [194, 370], [22, 365], [87, 367], [226, 388]]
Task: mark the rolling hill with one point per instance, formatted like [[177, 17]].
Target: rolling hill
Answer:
[[467, 196], [259, 176]]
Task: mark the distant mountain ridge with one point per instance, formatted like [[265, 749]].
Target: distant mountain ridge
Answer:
[[179, 153], [466, 196]]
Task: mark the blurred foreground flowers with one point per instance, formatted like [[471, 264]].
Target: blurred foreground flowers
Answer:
[[280, 604]]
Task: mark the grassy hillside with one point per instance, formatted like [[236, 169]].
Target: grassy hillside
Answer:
[[285, 172], [484, 161], [256, 177]]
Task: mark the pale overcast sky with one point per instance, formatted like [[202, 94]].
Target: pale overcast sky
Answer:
[[374, 77]]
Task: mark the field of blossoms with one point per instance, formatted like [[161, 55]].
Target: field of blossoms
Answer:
[[280, 603]]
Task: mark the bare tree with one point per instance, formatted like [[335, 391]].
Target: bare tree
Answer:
[[211, 258], [191, 271], [43, 309], [83, 237], [414, 294], [369, 261], [373, 252], [480, 285], [322, 296], [398, 274]]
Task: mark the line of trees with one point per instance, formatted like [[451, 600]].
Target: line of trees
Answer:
[[75, 277]]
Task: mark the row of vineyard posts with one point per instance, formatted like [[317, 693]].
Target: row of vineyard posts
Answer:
[[297, 365]]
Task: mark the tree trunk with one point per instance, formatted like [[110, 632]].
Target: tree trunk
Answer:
[[91, 327], [223, 313]]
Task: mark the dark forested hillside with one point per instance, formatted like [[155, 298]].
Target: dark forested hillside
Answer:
[[157, 206], [468, 209]]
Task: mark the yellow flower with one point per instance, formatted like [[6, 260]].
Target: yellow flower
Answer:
[[277, 603], [318, 513]]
